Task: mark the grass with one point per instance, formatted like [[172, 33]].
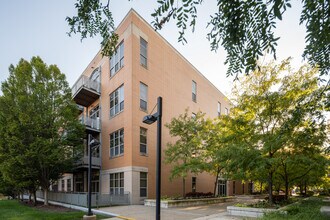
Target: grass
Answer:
[[303, 210], [14, 210]]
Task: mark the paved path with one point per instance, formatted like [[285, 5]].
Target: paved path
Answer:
[[206, 212]]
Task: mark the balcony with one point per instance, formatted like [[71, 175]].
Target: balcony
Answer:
[[83, 162], [86, 91], [93, 125]]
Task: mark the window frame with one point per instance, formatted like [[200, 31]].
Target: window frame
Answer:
[[194, 91], [146, 141], [143, 56], [219, 109], [143, 85], [144, 179], [117, 183], [117, 59], [117, 97], [117, 136]]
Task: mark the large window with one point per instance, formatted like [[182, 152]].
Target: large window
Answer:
[[143, 52], [117, 101], [143, 96], [96, 74], [117, 143], [219, 108], [63, 185], [227, 111], [117, 59], [193, 184], [117, 183], [194, 91], [68, 185], [143, 141], [143, 184]]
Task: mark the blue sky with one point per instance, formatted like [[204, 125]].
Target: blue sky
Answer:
[[38, 28]]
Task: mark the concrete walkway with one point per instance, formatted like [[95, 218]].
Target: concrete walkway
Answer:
[[206, 212]]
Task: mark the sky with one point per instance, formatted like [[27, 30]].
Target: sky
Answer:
[[38, 28]]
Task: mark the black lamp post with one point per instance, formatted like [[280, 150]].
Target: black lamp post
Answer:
[[92, 143], [149, 119]]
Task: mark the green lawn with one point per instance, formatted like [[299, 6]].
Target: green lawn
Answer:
[[14, 210], [302, 210]]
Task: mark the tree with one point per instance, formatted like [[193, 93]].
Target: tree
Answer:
[[186, 154], [278, 116], [244, 28], [39, 128]]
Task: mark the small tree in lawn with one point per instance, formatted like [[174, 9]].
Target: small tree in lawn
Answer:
[[186, 154], [39, 127]]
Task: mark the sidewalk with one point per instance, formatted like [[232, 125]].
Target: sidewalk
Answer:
[[206, 212]]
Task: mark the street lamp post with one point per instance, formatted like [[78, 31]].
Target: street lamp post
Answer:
[[149, 119], [92, 142]]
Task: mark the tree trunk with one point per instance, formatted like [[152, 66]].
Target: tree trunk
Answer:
[[286, 190], [216, 182], [45, 196], [305, 188], [184, 187], [34, 198], [270, 187], [30, 196], [260, 187]]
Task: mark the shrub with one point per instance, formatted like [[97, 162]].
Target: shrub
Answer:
[[199, 195], [277, 199], [310, 193]]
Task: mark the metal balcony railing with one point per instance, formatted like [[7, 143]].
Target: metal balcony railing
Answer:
[[85, 81], [94, 123], [85, 91]]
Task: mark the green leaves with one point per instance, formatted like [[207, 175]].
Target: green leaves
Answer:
[[35, 110], [93, 18]]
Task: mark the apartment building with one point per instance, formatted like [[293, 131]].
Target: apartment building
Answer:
[[116, 93]]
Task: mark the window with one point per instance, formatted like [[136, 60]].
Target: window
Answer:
[[117, 59], [117, 101], [143, 141], [143, 52], [79, 182], [143, 96], [227, 111], [194, 91], [143, 184], [117, 143], [219, 109], [68, 185], [95, 181], [234, 187], [116, 183], [96, 74], [62, 185], [193, 184]]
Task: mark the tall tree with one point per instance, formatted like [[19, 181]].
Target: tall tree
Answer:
[[186, 153], [245, 29], [276, 111], [40, 132]]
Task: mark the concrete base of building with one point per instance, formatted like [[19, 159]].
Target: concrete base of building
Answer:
[[89, 217]]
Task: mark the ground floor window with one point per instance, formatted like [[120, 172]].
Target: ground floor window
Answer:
[[95, 182], [222, 187], [234, 187], [79, 182], [117, 183], [68, 185], [63, 185], [193, 184], [143, 184]]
